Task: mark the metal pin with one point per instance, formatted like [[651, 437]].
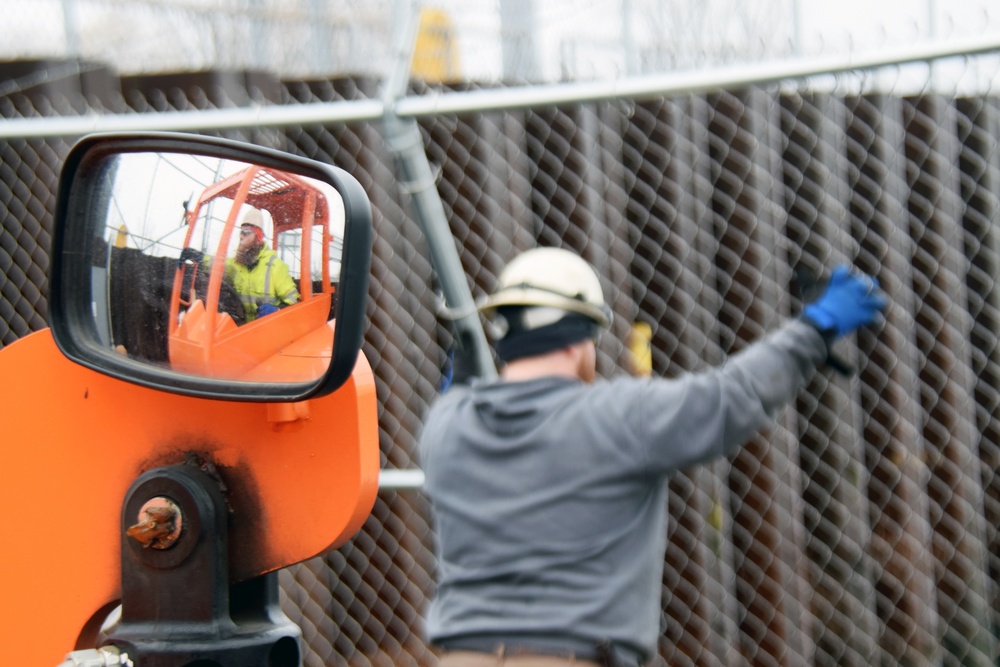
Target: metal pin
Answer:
[[159, 524]]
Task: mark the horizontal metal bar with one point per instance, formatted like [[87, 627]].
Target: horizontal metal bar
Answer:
[[699, 81], [398, 480], [642, 87], [317, 113]]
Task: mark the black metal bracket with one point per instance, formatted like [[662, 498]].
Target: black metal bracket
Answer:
[[178, 608]]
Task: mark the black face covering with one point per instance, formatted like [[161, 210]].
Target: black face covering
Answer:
[[520, 342]]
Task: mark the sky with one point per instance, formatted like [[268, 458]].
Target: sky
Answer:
[[574, 39], [584, 37]]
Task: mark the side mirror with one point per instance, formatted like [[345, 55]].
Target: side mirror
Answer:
[[209, 268]]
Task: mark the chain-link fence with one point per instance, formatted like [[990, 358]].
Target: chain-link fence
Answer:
[[862, 529]]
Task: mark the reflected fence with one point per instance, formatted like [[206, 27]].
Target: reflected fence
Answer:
[[862, 528]]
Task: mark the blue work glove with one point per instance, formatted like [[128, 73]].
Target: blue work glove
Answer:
[[266, 309], [850, 301]]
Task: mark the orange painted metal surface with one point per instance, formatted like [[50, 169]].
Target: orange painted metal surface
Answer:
[[231, 352], [301, 478]]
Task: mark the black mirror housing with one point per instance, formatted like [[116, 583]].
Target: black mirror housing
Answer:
[[125, 303]]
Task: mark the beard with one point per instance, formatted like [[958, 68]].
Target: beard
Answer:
[[247, 256]]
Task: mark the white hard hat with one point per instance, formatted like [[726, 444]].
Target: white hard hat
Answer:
[[550, 278], [257, 218]]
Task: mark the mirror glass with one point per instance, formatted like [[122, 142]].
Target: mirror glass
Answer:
[[216, 268]]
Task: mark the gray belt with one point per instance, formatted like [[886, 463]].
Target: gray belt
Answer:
[[604, 653]]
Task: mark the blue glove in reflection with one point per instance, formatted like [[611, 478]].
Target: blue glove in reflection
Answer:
[[850, 301], [266, 309]]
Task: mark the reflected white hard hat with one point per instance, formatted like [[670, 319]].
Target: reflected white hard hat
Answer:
[[259, 219]]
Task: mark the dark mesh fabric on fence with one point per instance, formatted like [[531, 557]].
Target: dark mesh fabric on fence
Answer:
[[862, 528]]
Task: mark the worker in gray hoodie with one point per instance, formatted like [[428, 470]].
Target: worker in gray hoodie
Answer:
[[548, 486]]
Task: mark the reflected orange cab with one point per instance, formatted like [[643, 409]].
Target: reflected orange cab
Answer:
[[208, 342]]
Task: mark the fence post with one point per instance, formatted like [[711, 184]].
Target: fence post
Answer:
[[417, 179]]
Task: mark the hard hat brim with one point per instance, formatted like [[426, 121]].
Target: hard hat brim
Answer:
[[526, 296]]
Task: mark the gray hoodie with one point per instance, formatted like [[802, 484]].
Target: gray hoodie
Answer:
[[549, 495]]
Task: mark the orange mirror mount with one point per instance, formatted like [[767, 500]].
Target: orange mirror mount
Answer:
[[300, 479]]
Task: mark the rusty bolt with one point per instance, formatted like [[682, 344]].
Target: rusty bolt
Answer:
[[159, 524]]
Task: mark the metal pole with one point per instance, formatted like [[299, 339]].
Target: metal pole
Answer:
[[69, 25], [519, 41], [415, 174], [392, 479], [633, 61]]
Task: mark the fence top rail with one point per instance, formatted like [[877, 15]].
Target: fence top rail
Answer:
[[495, 99], [681, 83]]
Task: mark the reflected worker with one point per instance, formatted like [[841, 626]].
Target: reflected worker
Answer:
[[260, 278]]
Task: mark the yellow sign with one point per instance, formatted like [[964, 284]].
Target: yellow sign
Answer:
[[435, 56], [640, 345]]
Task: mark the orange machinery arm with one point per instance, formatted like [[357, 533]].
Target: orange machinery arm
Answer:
[[301, 478]]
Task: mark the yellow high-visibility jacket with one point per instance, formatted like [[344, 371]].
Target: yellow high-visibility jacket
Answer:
[[267, 281]]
